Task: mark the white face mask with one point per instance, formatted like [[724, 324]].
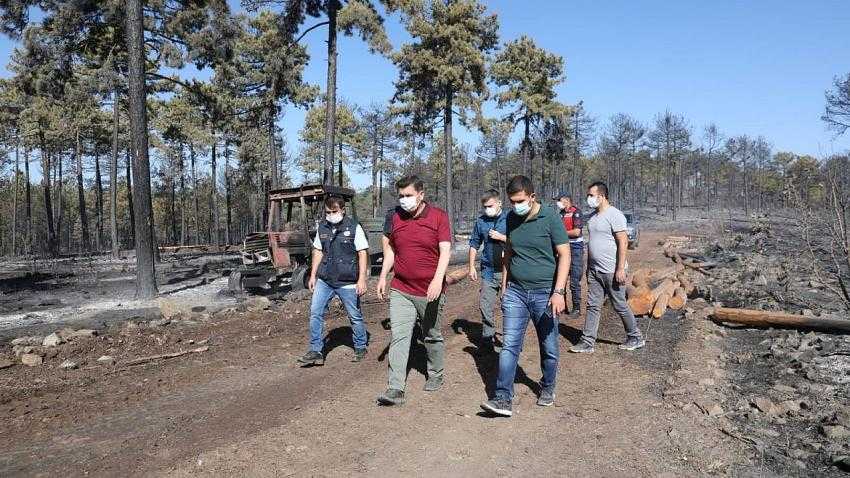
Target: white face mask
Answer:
[[334, 217], [522, 208], [561, 206], [593, 201], [492, 211], [408, 203]]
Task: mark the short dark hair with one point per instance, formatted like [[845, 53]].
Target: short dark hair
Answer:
[[519, 184], [566, 196], [601, 187], [406, 181], [331, 201], [490, 194]]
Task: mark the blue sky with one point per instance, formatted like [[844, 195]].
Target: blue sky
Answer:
[[753, 67]]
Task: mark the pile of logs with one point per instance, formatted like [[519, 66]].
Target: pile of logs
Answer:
[[653, 293]]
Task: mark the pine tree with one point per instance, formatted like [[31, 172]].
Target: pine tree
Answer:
[[443, 69], [350, 140], [360, 16], [529, 75]]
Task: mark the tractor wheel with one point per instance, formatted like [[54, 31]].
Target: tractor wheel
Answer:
[[234, 282], [299, 279]]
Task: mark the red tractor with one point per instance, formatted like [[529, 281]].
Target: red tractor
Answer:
[[281, 255]]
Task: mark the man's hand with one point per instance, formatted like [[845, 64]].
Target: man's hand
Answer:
[[556, 302], [620, 275], [311, 283], [496, 235], [435, 288], [361, 286], [382, 288], [473, 274]]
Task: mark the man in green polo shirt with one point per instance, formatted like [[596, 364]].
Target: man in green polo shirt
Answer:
[[534, 278]]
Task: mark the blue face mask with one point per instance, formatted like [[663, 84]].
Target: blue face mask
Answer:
[[522, 208]]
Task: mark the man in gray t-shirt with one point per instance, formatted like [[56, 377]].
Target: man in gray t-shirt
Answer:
[[602, 244], [606, 270]]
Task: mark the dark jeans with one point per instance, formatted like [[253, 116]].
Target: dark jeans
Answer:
[[518, 306], [576, 272]]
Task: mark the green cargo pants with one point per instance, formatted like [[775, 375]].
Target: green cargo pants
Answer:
[[405, 311]]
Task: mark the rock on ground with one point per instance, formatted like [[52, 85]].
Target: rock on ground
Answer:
[[52, 340], [68, 365], [29, 340], [31, 360]]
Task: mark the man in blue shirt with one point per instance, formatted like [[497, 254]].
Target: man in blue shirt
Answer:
[[489, 230]]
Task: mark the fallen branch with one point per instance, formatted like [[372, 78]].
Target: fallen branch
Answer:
[[151, 358], [764, 318]]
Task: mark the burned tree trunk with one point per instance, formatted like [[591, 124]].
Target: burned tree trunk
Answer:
[[46, 166], [214, 197], [228, 230], [145, 254], [81, 196], [28, 197], [181, 166], [15, 195], [98, 238], [333, 7], [113, 179], [130, 208]]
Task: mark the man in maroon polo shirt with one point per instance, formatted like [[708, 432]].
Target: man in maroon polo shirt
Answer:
[[417, 246]]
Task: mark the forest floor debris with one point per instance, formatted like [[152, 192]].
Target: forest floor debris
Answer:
[[710, 399]]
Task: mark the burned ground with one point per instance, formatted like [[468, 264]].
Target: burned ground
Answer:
[[699, 399]]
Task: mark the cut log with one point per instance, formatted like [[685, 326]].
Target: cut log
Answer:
[[641, 278], [641, 300], [660, 306], [693, 255], [700, 264], [766, 318], [669, 272], [686, 284], [697, 268], [667, 287], [679, 299], [644, 299]]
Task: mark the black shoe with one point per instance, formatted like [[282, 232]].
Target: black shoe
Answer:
[[391, 397], [359, 355], [312, 358], [547, 397], [433, 384], [498, 406]]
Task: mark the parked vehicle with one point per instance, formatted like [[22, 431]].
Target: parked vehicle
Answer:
[[281, 255], [632, 228]]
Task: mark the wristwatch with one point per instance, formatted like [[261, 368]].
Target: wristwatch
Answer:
[[561, 291]]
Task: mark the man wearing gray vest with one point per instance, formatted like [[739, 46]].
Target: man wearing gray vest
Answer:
[[340, 265]]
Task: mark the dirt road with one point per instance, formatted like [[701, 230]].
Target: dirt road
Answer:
[[245, 409]]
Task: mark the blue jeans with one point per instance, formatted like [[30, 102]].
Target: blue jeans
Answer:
[[576, 272], [322, 295], [518, 305]]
